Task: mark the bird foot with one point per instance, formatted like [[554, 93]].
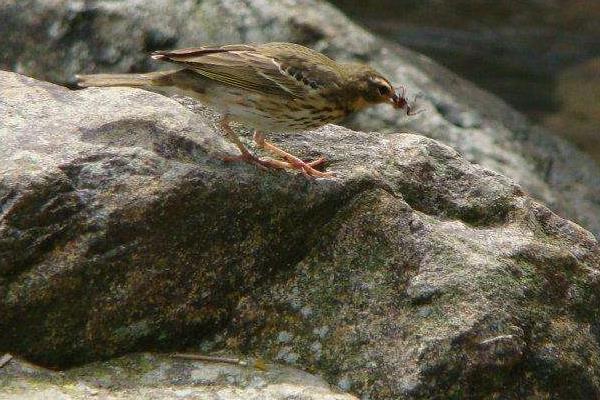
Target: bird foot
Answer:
[[293, 162], [307, 168], [262, 163]]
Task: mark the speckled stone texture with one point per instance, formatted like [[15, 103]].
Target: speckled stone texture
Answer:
[[146, 376], [60, 38], [413, 274]]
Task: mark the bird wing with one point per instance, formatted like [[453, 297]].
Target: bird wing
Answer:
[[269, 69]]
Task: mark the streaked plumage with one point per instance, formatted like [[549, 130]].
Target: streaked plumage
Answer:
[[270, 87]]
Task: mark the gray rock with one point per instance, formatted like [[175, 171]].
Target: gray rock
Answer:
[[172, 379], [59, 38], [122, 230]]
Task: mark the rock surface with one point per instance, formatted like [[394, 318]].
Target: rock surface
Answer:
[[59, 38], [414, 274], [148, 376]]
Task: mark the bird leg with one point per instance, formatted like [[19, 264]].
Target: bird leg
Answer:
[[246, 156], [293, 162]]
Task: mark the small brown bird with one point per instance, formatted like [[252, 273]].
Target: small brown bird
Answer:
[[269, 87]]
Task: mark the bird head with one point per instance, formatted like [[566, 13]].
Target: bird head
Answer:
[[371, 88]]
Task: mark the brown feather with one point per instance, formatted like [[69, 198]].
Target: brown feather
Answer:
[[286, 71]]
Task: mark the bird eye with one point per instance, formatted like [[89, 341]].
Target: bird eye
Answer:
[[384, 90]]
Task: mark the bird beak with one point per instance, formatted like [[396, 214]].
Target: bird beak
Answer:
[[398, 101]]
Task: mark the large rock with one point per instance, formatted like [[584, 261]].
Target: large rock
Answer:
[[60, 38], [413, 274], [146, 376]]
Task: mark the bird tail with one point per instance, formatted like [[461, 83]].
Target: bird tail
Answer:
[[160, 78]]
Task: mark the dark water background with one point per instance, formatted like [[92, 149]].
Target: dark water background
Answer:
[[540, 56]]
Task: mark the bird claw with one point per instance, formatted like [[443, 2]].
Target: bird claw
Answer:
[[293, 162], [317, 162], [307, 168], [262, 163]]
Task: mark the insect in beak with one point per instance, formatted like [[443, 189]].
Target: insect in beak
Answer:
[[399, 101]]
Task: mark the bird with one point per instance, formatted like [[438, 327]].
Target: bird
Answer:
[[268, 87]]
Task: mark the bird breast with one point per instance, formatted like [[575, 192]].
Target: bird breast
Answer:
[[272, 113]]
